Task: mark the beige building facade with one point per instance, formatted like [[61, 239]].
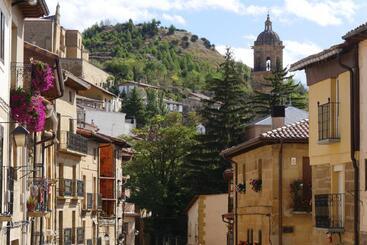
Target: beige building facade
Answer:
[[204, 224]]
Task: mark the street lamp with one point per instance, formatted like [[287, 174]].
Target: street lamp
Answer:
[[107, 238], [20, 136], [30, 2]]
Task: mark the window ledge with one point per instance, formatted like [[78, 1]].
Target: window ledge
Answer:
[[328, 141], [339, 230], [301, 212]]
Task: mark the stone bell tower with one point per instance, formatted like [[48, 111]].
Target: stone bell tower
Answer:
[[268, 54]]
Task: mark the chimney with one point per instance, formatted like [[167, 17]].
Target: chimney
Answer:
[[277, 116]]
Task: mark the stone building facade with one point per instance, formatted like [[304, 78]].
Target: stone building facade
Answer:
[[263, 212]]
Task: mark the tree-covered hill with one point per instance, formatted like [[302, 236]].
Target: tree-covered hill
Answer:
[[153, 54]]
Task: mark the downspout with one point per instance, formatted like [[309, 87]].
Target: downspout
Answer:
[[354, 132], [280, 194], [235, 214]]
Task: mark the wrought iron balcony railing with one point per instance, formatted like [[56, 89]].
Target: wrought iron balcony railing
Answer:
[[73, 142], [38, 200], [329, 211], [328, 121], [20, 72]]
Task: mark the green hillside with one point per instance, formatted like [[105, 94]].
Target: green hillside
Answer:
[[153, 54]]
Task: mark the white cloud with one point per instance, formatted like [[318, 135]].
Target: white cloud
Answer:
[[324, 12], [243, 54], [249, 37], [81, 14], [295, 51], [174, 18]]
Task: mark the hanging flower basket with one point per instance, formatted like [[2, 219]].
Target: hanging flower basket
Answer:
[[28, 109], [256, 185], [43, 78], [241, 187], [31, 204]]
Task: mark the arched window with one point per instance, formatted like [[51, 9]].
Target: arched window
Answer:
[[268, 64]]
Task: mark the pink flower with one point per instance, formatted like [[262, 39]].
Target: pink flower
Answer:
[[42, 77], [28, 110]]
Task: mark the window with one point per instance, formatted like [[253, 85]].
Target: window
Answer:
[[259, 237], [95, 152], [73, 226], [2, 36], [268, 64], [71, 99], [67, 236], [80, 235], [68, 187], [260, 168], [244, 173], [89, 200], [10, 174], [80, 188], [61, 218], [250, 236], [71, 125], [89, 242], [328, 120]]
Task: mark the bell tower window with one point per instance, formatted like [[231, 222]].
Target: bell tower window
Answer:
[[268, 64]]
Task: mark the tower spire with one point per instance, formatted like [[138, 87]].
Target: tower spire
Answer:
[[268, 24]]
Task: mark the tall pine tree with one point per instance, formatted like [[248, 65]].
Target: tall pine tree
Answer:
[[224, 117], [134, 108], [279, 89]]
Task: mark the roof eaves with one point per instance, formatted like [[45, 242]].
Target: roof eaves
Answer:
[[355, 32], [323, 55], [78, 80]]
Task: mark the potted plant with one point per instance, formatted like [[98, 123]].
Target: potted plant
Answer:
[[256, 184], [31, 204], [42, 77], [28, 109], [241, 187]]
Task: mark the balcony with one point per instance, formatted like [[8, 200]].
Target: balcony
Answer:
[[37, 203], [73, 143], [20, 72], [328, 122], [329, 211]]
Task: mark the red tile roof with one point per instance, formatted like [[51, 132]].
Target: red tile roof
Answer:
[[291, 133], [298, 130]]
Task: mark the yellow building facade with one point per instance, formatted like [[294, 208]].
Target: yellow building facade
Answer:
[[337, 81]]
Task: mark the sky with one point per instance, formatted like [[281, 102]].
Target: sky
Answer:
[[305, 26]]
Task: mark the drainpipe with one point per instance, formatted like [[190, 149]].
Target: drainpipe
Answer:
[[280, 194], [235, 214], [354, 133]]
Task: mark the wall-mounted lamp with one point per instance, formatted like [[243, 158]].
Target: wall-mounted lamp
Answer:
[[107, 238], [30, 2], [20, 135]]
